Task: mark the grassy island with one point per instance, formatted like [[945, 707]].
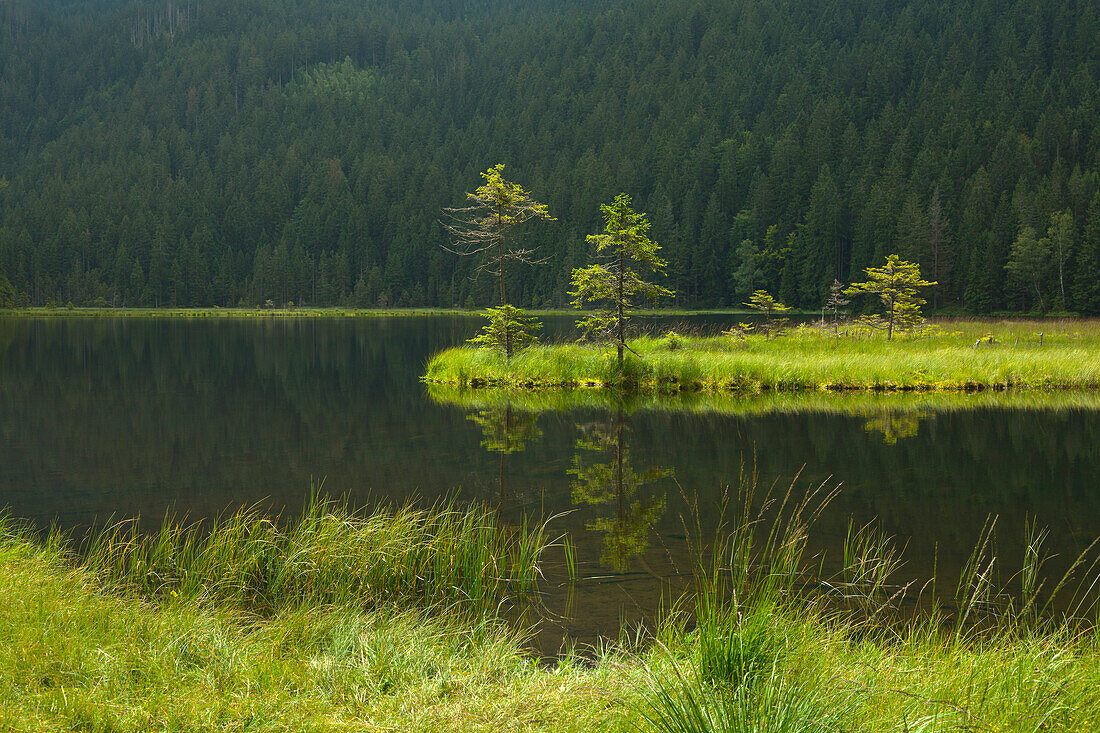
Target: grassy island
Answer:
[[951, 355], [389, 621]]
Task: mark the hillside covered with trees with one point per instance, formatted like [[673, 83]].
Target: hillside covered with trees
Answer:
[[208, 152]]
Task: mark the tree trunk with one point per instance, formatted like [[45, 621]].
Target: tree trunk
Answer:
[[1061, 279], [500, 260], [619, 304]]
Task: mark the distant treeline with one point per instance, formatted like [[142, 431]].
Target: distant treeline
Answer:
[[201, 152]]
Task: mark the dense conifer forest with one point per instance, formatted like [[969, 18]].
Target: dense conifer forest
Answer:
[[209, 152]]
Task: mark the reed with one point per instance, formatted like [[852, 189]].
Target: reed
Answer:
[[765, 642], [330, 555]]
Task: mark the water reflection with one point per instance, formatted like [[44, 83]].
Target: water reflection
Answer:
[[138, 416], [604, 477], [505, 430], [894, 425]]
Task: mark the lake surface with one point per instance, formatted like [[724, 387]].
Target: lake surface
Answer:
[[105, 417]]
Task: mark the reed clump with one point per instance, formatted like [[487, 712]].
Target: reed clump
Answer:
[[331, 555], [767, 642]]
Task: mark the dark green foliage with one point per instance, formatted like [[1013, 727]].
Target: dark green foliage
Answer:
[[7, 293], [1029, 265], [1086, 293], [218, 152]]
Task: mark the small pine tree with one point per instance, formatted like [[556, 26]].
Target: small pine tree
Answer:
[[763, 302], [897, 285], [508, 331], [625, 246], [834, 303]]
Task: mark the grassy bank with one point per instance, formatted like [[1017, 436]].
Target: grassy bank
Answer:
[[373, 622], [1008, 355]]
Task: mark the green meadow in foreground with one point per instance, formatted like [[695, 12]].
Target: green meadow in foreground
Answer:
[[388, 621], [965, 355]]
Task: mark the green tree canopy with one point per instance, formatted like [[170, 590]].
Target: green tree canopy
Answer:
[[897, 284], [1029, 263], [763, 302], [509, 330], [7, 293], [481, 228], [614, 283]]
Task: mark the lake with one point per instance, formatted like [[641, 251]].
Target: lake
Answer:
[[120, 417]]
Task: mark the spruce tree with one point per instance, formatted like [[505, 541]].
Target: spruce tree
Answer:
[[624, 248], [897, 284]]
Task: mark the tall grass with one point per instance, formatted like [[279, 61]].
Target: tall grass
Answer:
[[331, 555], [765, 642]]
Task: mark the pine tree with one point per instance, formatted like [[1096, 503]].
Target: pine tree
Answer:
[[834, 303], [624, 246], [897, 285], [763, 302], [1086, 288], [1029, 262], [482, 228], [509, 330]]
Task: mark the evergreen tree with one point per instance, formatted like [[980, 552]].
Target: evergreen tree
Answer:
[[509, 330], [897, 285], [614, 283], [481, 229], [763, 302], [7, 293], [1029, 263], [1086, 292]]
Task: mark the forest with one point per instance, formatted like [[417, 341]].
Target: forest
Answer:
[[207, 152]]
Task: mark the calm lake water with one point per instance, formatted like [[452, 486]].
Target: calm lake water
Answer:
[[105, 417]]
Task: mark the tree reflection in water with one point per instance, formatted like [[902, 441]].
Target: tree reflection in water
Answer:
[[505, 430], [604, 476]]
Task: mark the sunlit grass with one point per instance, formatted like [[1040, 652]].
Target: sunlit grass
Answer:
[[459, 558], [345, 621], [950, 356]]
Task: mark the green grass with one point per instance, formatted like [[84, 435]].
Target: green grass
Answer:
[[330, 555], [807, 358], [345, 621]]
